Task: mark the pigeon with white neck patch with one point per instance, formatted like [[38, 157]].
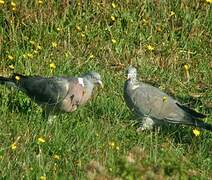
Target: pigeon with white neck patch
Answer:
[[156, 107], [56, 94]]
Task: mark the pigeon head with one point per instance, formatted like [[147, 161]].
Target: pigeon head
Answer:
[[94, 77], [131, 73]]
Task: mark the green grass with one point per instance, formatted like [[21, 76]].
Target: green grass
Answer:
[[99, 140]]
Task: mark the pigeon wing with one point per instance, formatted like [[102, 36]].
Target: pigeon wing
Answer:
[[44, 90], [150, 101]]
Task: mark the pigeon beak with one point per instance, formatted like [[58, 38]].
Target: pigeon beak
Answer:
[[99, 82]]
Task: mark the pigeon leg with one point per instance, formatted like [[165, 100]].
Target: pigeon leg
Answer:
[[48, 114], [147, 124]]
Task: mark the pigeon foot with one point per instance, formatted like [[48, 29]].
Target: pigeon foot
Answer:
[[147, 124]]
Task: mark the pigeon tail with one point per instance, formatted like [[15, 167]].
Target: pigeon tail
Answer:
[[6, 80], [12, 81], [191, 113], [203, 125], [195, 118]]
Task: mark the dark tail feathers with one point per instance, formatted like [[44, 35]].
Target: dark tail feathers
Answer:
[[12, 79], [192, 113], [4, 80], [195, 118], [203, 125]]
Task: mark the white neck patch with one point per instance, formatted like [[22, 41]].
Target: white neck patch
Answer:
[[131, 76], [80, 80], [135, 87]]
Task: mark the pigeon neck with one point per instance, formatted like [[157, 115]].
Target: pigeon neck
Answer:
[[133, 80], [88, 84]]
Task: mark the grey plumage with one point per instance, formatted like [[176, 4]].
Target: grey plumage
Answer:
[[156, 107], [56, 94]]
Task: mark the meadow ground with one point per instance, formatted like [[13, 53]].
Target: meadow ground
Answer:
[[99, 140]]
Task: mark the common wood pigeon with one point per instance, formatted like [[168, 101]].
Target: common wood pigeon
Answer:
[[56, 94], [157, 107]]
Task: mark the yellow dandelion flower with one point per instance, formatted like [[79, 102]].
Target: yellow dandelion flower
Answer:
[[209, 1], [187, 75], [41, 140], [112, 144], [196, 132], [29, 55], [11, 66], [52, 66], [117, 148], [39, 47], [186, 67], [165, 99], [91, 56], [10, 57], [150, 47], [35, 51], [57, 157], [113, 5], [1, 2], [13, 4], [113, 18], [172, 13], [43, 178], [114, 41], [145, 21], [82, 35], [58, 29], [40, 2], [17, 78], [54, 44], [13, 146]]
